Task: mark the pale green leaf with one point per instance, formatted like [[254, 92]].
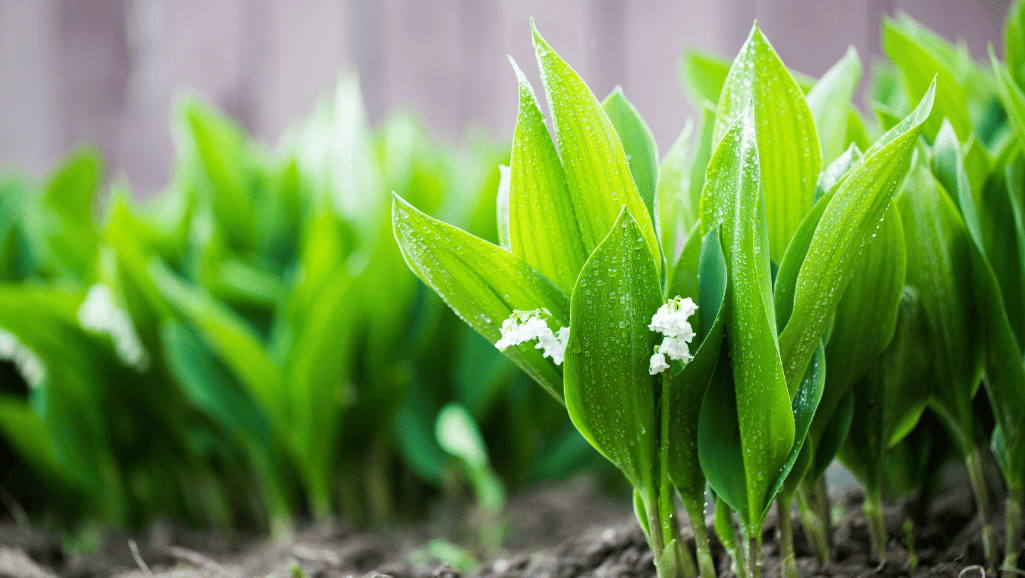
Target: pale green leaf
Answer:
[[830, 103], [543, 226], [597, 172], [638, 144], [850, 218], [481, 282], [788, 147]]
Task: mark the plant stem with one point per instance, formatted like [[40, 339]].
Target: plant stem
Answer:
[[728, 536], [696, 512], [754, 552], [665, 500], [788, 560], [977, 478], [1013, 528], [815, 525], [873, 508]]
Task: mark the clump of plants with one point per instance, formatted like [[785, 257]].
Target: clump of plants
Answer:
[[247, 348], [715, 318]]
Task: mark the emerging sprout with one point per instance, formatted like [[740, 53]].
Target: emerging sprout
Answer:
[[523, 326], [671, 320]]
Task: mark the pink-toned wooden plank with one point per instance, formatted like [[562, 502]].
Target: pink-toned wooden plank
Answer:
[[564, 26], [307, 49], [92, 68], [811, 35], [28, 119], [975, 22], [421, 60], [657, 32]]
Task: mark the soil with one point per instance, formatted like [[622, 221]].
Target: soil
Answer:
[[561, 531]]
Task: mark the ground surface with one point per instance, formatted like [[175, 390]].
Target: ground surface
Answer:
[[564, 531]]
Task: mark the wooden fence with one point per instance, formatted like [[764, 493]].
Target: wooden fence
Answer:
[[106, 71]]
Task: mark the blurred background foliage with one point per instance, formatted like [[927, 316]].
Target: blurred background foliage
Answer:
[[248, 348]]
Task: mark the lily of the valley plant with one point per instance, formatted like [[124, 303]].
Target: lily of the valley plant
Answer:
[[684, 360]]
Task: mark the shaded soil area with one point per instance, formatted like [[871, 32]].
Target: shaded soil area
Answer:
[[562, 531]]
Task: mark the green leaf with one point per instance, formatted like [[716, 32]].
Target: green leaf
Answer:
[[68, 232], [28, 436], [1011, 96], [638, 144], [788, 147], [703, 75], [720, 446], [610, 395], [209, 386], [890, 398], [993, 287], [920, 66], [481, 282], [543, 227], [687, 388], [804, 405], [230, 337], [866, 317], [830, 103], [732, 201], [674, 213], [940, 268], [850, 218], [597, 172]]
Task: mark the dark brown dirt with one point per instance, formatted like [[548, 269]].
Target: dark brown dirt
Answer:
[[563, 531]]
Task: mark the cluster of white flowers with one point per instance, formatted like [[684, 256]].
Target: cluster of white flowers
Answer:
[[28, 363], [671, 320], [99, 313], [523, 326]]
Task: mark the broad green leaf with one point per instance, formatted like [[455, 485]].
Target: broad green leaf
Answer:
[[638, 144], [687, 388], [732, 201], [481, 282], [610, 395], [703, 75], [543, 227], [919, 64], [830, 103], [836, 172], [1011, 95], [940, 268], [66, 212], [850, 218], [28, 436], [993, 218], [674, 213], [228, 335], [889, 399], [829, 441], [720, 445], [1005, 374], [804, 405], [597, 171], [866, 317], [788, 147], [222, 157]]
